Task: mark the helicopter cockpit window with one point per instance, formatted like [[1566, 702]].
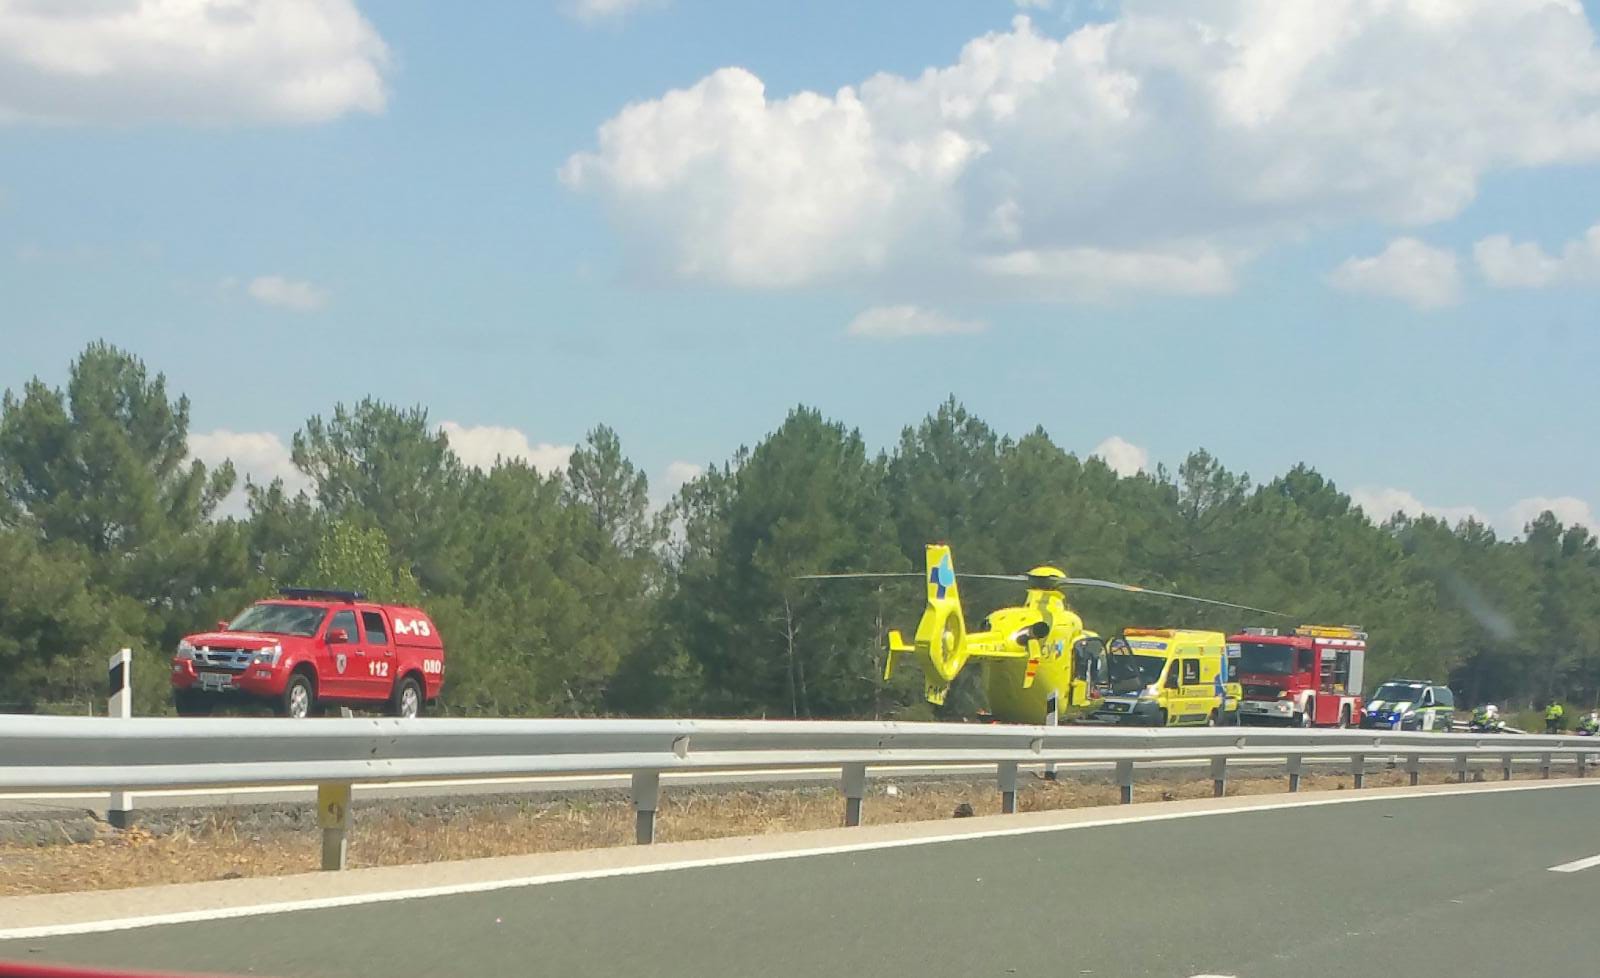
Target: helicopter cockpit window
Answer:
[[1089, 660]]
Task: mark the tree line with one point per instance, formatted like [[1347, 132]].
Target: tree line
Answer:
[[571, 594]]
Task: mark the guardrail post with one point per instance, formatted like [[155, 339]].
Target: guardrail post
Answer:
[[646, 798], [1219, 776], [1583, 764], [1544, 765], [1358, 769], [1008, 787], [854, 785], [1051, 719], [1505, 767], [1125, 781], [1414, 769], [1295, 762], [119, 706], [333, 814], [1463, 766]]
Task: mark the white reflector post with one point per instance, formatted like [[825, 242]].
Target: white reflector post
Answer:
[[119, 706]]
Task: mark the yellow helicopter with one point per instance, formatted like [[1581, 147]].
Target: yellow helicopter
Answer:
[[1037, 655]]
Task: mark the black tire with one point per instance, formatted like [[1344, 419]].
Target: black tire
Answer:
[[191, 704], [407, 701], [1303, 719], [1164, 719], [299, 699], [1344, 718], [1211, 719]]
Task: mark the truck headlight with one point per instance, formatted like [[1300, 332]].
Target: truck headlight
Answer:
[[185, 650], [1149, 693], [268, 656]]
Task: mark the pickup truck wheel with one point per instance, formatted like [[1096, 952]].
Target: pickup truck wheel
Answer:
[[299, 699], [191, 704], [407, 700]]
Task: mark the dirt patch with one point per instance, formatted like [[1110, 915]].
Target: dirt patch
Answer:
[[180, 847]]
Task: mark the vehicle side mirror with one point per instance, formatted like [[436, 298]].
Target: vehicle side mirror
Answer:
[[338, 636]]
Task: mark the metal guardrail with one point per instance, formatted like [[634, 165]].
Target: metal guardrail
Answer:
[[86, 754]]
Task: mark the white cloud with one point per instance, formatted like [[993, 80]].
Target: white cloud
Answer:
[[187, 61], [595, 11], [1124, 457], [678, 473], [1098, 273], [259, 456], [1408, 270], [1507, 265], [479, 446], [1380, 504], [275, 290], [1569, 510], [899, 322], [1168, 144]]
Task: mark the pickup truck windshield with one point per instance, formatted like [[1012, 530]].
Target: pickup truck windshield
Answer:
[[1131, 672], [279, 619], [1258, 657]]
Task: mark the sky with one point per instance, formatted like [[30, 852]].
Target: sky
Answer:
[[1360, 234]]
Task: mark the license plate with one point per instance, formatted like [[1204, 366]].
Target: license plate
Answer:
[[215, 680]]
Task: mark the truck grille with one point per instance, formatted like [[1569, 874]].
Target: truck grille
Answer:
[[1256, 691], [233, 660]]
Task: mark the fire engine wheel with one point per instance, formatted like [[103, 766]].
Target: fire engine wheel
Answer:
[[1304, 719], [299, 699], [407, 700], [1344, 718]]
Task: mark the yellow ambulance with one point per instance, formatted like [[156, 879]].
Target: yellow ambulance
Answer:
[[1168, 677]]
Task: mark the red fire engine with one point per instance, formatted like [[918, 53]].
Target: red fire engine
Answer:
[[1310, 677]]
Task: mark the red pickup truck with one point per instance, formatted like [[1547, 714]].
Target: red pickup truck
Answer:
[[309, 648]]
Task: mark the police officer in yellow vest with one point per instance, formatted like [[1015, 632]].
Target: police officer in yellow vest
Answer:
[[1554, 718]]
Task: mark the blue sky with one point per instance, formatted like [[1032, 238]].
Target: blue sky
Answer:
[[1338, 235]]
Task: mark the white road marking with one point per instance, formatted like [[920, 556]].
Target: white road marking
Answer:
[[1576, 865], [487, 886]]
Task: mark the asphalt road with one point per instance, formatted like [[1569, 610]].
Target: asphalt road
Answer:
[[1457, 884]]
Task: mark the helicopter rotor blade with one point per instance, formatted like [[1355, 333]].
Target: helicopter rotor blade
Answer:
[[1135, 589], [872, 574]]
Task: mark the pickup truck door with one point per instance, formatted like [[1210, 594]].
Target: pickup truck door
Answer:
[[344, 661], [378, 662]]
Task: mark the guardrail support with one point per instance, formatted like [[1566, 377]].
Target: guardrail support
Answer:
[[854, 785], [1505, 767], [1358, 770], [1051, 719], [1125, 781], [119, 706], [1414, 769], [1008, 787], [1219, 776], [333, 814], [1463, 768], [1544, 765], [1583, 764], [646, 798], [1295, 762]]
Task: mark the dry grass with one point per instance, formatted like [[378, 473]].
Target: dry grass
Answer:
[[225, 845]]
